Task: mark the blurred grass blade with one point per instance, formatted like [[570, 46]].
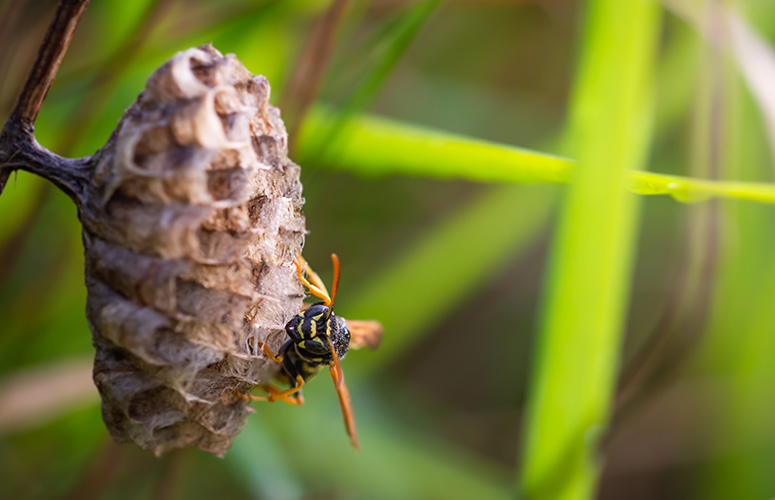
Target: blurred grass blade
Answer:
[[757, 63], [261, 465], [34, 396], [740, 341], [692, 190], [577, 351], [723, 27], [739, 353], [310, 68], [374, 146], [676, 81], [397, 461], [438, 272], [17, 202], [102, 84], [379, 146], [393, 46]]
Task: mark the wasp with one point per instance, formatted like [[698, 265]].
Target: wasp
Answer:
[[318, 338]]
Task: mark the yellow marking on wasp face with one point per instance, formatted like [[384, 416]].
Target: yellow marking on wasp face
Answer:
[[314, 326], [301, 344]]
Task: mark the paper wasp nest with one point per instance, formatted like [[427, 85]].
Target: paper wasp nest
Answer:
[[191, 224]]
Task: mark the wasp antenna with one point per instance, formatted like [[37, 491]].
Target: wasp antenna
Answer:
[[335, 369], [335, 285]]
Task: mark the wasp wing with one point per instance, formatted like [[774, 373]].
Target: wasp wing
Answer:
[[364, 334]]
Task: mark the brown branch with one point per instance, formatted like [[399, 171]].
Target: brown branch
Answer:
[[20, 151], [308, 74], [50, 56], [18, 147]]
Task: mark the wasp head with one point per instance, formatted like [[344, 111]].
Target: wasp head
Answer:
[[311, 329]]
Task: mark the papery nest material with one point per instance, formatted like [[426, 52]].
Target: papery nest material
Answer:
[[191, 222]]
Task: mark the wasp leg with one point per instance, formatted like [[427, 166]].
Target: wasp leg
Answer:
[[277, 359], [295, 399], [314, 290], [288, 392], [248, 397], [335, 369], [314, 278]]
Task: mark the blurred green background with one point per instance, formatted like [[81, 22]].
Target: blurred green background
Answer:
[[445, 240]]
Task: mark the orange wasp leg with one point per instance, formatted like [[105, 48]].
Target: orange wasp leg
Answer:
[[281, 395], [248, 397], [275, 395], [335, 369], [314, 290], [315, 284], [296, 400], [314, 278], [270, 354]]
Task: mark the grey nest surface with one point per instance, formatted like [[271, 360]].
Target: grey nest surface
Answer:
[[191, 222]]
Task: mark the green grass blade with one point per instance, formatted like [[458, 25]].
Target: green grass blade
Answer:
[[394, 44], [577, 352], [374, 146], [737, 356]]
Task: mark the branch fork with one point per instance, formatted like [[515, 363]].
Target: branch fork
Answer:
[[18, 148]]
